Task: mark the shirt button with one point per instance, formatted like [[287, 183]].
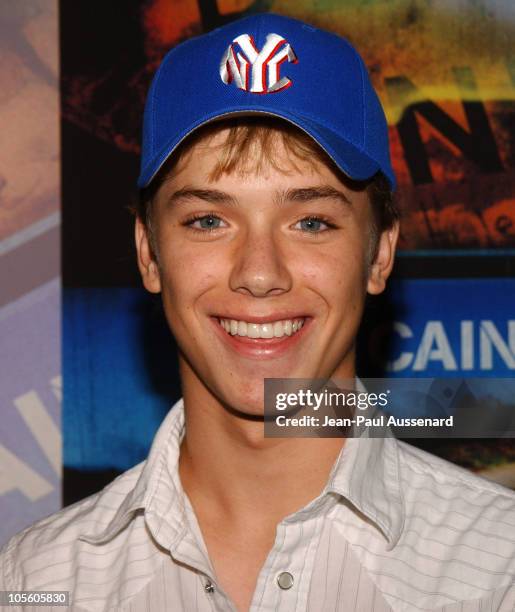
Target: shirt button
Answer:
[[285, 580], [208, 587]]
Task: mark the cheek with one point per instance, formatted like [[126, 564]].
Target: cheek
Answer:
[[338, 274], [187, 272]]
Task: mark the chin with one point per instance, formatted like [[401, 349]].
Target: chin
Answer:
[[246, 400], [247, 413], [251, 405]]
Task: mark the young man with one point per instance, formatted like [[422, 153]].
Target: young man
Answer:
[[265, 220]]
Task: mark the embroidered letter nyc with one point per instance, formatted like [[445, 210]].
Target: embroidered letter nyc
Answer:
[[253, 70]]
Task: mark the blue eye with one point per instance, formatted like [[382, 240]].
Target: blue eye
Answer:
[[313, 225], [207, 222]]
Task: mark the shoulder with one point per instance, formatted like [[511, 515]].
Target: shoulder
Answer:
[[44, 554], [420, 468], [457, 515]]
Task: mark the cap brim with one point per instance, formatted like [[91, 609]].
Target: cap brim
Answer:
[[351, 160]]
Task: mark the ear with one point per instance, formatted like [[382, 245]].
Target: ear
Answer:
[[382, 265], [146, 262]]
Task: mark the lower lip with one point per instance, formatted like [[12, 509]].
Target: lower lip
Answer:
[[261, 348]]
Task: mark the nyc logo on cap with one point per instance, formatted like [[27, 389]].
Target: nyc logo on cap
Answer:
[[253, 70]]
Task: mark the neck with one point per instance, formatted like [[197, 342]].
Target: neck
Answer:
[[227, 465]]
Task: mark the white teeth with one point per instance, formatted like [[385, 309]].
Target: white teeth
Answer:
[[266, 330], [272, 329], [278, 329], [288, 328], [253, 330]]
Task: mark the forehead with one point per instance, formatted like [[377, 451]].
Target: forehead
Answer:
[[257, 174]]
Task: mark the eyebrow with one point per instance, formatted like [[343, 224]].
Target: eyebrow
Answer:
[[307, 194], [208, 195], [304, 194]]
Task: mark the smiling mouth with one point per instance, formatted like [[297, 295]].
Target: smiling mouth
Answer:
[[270, 329]]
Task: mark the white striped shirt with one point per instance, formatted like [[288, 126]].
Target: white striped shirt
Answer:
[[394, 529]]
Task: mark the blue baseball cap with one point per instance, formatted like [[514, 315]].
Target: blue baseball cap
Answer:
[[271, 65]]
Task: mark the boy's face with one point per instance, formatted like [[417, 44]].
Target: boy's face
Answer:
[[277, 246]]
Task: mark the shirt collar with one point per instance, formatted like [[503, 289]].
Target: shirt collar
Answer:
[[158, 490], [366, 474]]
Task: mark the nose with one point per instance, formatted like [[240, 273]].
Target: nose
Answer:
[[260, 266]]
